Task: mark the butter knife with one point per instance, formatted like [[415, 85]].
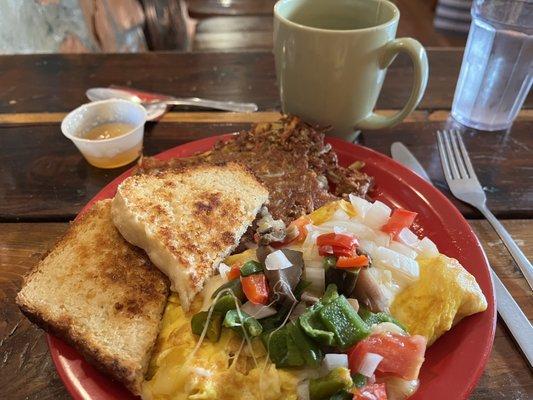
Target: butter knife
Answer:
[[509, 310], [402, 154]]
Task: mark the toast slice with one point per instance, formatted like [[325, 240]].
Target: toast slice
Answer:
[[100, 294], [188, 220]]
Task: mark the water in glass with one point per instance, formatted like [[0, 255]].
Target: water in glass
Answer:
[[496, 74]]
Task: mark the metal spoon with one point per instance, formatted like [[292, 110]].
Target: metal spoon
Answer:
[[158, 106]]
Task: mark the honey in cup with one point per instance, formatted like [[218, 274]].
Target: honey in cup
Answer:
[[108, 133]]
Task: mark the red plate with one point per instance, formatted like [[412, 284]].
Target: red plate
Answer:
[[453, 364]]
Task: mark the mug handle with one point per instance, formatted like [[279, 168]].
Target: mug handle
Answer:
[[418, 55]]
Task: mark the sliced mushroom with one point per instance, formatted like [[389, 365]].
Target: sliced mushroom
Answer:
[[283, 281], [369, 292]]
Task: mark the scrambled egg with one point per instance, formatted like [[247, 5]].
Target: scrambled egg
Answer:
[[326, 212], [222, 370], [444, 294]]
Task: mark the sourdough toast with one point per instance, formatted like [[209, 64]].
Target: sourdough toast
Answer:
[[188, 220], [100, 294]]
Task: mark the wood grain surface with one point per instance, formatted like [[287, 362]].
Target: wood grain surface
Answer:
[[44, 181], [45, 178], [27, 370], [57, 83], [248, 25]]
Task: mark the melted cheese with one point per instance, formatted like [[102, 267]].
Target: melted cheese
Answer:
[[214, 371]]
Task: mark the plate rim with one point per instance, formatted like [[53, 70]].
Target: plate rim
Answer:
[[337, 143]]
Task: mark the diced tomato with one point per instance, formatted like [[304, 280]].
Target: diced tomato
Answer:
[[255, 288], [374, 391], [235, 271], [399, 219], [353, 262], [339, 240], [402, 355], [336, 251]]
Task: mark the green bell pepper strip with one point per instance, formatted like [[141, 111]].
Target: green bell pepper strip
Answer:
[[274, 321], [225, 303], [330, 294], [233, 285], [339, 317], [311, 353], [249, 324], [214, 327], [323, 388], [282, 349], [371, 318], [313, 327], [251, 267]]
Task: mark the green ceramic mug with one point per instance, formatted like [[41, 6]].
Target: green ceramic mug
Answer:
[[331, 60]]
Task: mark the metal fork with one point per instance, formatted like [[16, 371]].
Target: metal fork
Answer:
[[463, 183]]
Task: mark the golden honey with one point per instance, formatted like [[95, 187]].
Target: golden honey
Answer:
[[111, 130], [116, 161], [107, 131]]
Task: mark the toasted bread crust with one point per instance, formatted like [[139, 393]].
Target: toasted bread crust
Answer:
[[106, 277], [104, 362]]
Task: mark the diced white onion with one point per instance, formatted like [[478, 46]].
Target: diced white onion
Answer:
[[277, 260], [354, 303], [314, 263], [377, 215], [408, 237], [302, 390], [223, 270], [309, 298], [381, 239], [317, 278], [367, 246], [359, 230], [309, 247], [258, 311], [396, 262], [427, 248], [403, 249], [400, 389], [332, 361], [339, 229], [340, 215], [387, 327], [360, 205], [369, 364]]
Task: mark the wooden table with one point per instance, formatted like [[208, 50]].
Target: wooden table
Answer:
[[44, 181]]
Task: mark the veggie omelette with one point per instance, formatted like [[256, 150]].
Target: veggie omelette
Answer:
[[343, 308]]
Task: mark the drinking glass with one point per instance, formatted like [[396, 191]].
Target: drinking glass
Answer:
[[496, 74]]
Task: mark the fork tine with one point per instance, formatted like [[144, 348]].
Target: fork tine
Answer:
[[457, 154], [443, 157], [466, 158], [450, 155]]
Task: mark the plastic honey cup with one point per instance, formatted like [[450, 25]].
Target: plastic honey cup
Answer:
[[113, 152]]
